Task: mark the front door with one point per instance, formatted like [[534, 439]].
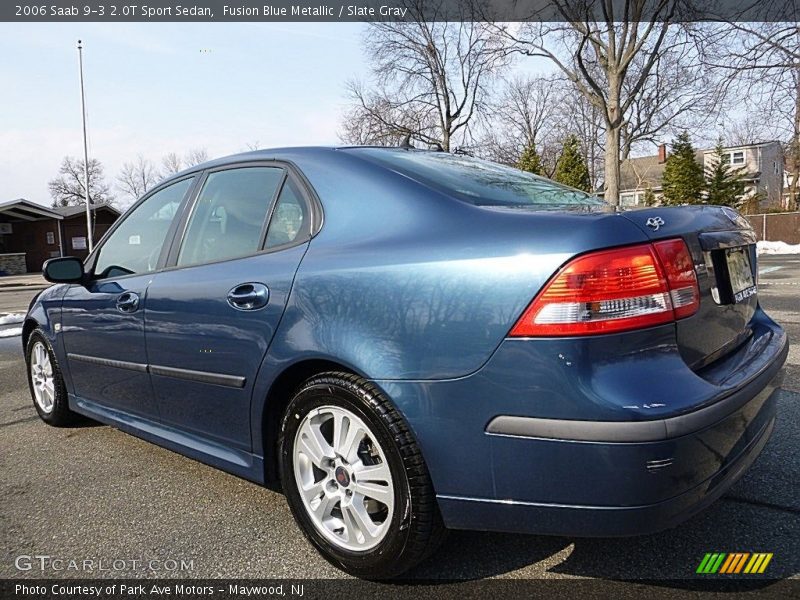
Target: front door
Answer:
[[211, 316], [103, 321]]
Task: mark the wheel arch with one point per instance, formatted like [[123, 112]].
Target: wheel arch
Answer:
[[27, 328], [277, 399]]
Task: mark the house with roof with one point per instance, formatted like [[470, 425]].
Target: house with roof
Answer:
[[31, 233], [761, 167]]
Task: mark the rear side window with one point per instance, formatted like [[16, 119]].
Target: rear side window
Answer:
[[135, 245], [478, 181], [289, 219], [229, 215]]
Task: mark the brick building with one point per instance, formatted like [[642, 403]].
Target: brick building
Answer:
[[31, 233]]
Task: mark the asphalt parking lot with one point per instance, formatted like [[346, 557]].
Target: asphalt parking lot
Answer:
[[93, 492]]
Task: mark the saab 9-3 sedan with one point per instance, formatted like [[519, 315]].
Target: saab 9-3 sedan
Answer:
[[407, 341]]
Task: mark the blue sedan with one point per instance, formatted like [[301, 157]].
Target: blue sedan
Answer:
[[407, 341]]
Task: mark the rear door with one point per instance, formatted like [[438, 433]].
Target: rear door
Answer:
[[722, 244], [103, 321], [211, 315]]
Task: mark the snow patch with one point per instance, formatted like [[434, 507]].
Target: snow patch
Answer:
[[13, 332], [777, 248], [11, 318]]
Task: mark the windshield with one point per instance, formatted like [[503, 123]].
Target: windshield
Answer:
[[478, 181]]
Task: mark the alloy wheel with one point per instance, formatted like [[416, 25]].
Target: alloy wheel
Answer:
[[42, 378], [343, 478]]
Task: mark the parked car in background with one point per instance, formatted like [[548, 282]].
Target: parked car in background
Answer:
[[408, 341]]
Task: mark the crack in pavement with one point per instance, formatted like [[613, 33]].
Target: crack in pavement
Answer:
[[762, 504]]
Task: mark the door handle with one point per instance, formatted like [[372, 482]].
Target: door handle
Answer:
[[128, 302], [249, 296]]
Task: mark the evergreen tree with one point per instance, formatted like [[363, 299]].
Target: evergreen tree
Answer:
[[683, 175], [724, 185], [530, 160], [571, 169], [649, 197]]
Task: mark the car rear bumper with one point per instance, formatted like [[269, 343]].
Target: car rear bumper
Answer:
[[621, 520], [633, 442]]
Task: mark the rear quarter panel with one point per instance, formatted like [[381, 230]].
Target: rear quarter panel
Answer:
[[405, 283]]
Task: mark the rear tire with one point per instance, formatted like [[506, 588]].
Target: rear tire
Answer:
[[355, 478], [46, 382]]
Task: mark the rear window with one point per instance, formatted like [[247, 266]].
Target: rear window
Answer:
[[478, 181]]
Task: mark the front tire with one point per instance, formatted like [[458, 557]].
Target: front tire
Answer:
[[46, 382], [355, 478]]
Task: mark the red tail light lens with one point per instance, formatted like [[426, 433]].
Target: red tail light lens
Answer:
[[613, 290], [681, 276]]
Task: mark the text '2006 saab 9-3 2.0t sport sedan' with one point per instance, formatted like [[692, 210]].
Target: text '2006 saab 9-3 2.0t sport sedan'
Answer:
[[408, 341]]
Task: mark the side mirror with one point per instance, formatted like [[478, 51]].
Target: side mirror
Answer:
[[67, 269]]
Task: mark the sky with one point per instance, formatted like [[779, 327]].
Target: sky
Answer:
[[154, 88]]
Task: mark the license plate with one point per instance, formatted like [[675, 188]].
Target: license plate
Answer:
[[740, 274]]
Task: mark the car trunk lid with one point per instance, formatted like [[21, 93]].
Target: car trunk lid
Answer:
[[722, 244]]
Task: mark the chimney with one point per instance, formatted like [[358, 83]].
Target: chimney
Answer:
[[662, 154]]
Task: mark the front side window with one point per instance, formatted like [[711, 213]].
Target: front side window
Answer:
[[228, 218], [134, 246]]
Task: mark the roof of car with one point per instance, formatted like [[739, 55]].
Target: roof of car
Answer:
[[283, 152]]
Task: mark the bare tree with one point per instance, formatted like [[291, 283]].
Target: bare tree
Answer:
[[764, 60], [749, 129], [170, 164], [543, 111], [575, 115], [173, 163], [67, 189], [135, 178], [521, 116], [430, 81], [678, 94], [608, 49], [195, 156]]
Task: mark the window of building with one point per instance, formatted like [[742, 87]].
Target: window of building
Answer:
[[51, 238]]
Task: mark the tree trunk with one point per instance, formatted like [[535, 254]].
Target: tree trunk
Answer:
[[613, 130], [611, 187], [794, 150]]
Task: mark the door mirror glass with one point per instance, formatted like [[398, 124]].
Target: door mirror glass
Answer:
[[63, 270]]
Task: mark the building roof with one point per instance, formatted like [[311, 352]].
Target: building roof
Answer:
[[745, 146], [71, 211], [25, 210], [646, 171]]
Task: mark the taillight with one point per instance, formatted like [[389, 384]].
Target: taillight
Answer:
[[614, 290], [681, 277]]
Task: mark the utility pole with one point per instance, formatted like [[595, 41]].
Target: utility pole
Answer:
[[85, 154]]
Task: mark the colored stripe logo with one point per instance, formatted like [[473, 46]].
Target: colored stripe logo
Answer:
[[734, 563]]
